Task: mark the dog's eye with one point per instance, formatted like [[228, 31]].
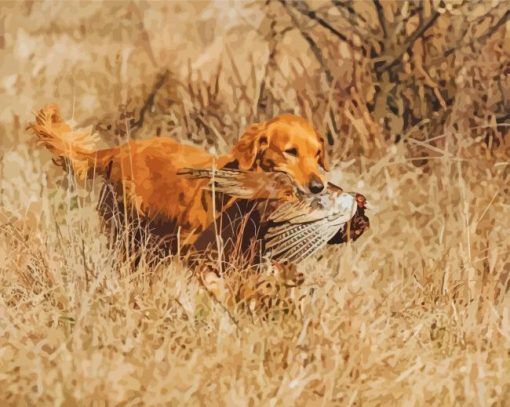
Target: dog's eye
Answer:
[[292, 151]]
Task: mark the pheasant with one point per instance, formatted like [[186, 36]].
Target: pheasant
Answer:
[[296, 224]]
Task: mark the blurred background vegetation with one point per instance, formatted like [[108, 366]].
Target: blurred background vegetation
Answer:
[[368, 74]]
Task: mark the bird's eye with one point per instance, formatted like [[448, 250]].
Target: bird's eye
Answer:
[[292, 151]]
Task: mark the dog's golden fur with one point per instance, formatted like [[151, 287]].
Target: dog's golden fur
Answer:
[[144, 173]]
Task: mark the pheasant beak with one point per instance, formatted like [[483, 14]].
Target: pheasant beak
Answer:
[[361, 201]]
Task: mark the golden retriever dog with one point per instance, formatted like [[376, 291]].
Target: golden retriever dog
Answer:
[[141, 176]]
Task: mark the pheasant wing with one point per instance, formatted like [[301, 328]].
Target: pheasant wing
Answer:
[[309, 246], [302, 228], [245, 184]]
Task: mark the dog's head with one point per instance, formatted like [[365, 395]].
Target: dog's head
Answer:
[[286, 144]]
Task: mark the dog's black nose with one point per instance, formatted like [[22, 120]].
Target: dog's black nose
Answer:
[[316, 185]]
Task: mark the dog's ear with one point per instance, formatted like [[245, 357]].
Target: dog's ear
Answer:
[[323, 156], [252, 142]]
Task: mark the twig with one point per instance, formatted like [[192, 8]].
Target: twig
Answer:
[[341, 5], [262, 95], [484, 37], [349, 14], [87, 270], [410, 42], [380, 16], [311, 43], [237, 75], [149, 101], [303, 8]]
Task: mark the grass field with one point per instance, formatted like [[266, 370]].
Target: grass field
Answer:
[[414, 101]]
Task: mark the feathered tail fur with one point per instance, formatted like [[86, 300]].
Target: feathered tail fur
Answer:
[[76, 147]]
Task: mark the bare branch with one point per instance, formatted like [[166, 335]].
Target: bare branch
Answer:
[[380, 16], [270, 65], [342, 5], [311, 43], [149, 101], [357, 23], [303, 8], [410, 42], [484, 37]]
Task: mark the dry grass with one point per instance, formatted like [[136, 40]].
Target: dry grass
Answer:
[[416, 312]]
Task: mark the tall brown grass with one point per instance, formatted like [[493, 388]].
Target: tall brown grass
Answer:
[[414, 100]]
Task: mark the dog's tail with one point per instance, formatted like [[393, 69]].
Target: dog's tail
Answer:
[[75, 147]]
